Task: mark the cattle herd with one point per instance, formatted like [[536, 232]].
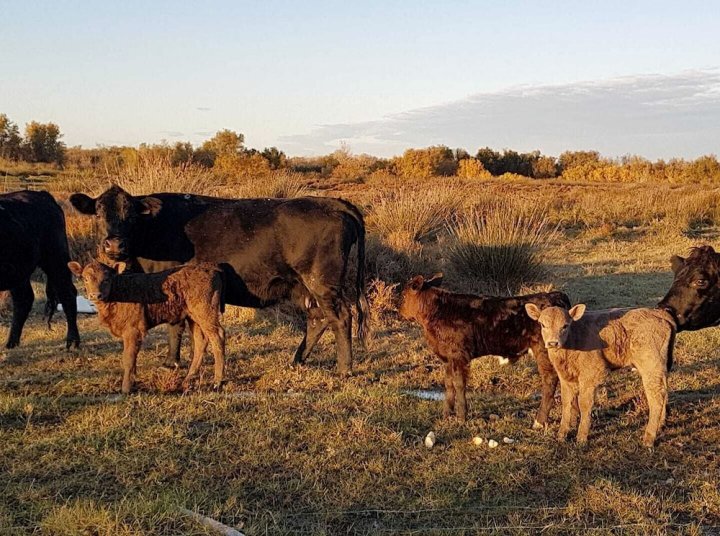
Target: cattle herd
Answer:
[[178, 259]]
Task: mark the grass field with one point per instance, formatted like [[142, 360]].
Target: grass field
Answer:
[[298, 450]]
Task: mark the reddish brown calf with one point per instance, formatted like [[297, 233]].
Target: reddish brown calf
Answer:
[[132, 304], [460, 327]]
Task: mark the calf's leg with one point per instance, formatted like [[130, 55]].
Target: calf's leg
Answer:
[[568, 394], [586, 400], [132, 341], [215, 334], [449, 407], [460, 371], [656, 391], [549, 381], [22, 298], [199, 346]]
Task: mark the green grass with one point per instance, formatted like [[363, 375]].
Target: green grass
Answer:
[[298, 450]]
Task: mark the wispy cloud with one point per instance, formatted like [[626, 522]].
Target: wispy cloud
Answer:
[[172, 133], [652, 115], [203, 109]]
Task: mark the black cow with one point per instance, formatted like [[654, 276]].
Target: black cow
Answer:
[[694, 297], [32, 234], [278, 249]]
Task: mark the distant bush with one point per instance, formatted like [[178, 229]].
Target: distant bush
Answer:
[[437, 161], [471, 168]]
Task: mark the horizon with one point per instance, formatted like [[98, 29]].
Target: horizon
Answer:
[[377, 78]]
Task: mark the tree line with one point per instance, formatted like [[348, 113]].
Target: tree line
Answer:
[[226, 154]]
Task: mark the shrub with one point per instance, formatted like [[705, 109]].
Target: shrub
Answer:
[[500, 244], [471, 168]]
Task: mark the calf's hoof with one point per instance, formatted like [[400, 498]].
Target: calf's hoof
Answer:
[[649, 442], [217, 387]]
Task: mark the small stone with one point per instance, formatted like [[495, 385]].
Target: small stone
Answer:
[[502, 361], [670, 481], [492, 443], [494, 417], [477, 441], [430, 440], [508, 440]]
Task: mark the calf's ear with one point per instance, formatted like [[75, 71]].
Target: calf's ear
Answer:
[[576, 312], [676, 263], [532, 310], [75, 268], [435, 281], [416, 283], [120, 267], [83, 203], [150, 205]]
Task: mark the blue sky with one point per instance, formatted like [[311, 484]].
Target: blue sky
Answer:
[[620, 77]]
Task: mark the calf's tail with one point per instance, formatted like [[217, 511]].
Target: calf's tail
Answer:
[[671, 348]]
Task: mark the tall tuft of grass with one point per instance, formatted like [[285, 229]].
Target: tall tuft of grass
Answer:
[[501, 245], [406, 216], [282, 184]]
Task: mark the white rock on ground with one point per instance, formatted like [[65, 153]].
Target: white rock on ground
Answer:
[[508, 440], [477, 441], [430, 440], [492, 443]]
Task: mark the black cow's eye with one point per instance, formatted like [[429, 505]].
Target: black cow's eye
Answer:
[[701, 283]]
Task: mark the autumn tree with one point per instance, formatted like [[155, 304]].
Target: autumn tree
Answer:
[[42, 143], [433, 161], [10, 140]]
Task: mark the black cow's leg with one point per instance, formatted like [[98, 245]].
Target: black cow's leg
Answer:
[[315, 326], [337, 314], [67, 294], [549, 380], [343, 339], [23, 298], [175, 334]]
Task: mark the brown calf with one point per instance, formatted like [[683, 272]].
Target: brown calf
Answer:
[[583, 347], [461, 327], [132, 304]]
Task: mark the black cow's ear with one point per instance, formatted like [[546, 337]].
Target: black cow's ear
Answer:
[[83, 203], [150, 205], [434, 281], [416, 283], [676, 263]]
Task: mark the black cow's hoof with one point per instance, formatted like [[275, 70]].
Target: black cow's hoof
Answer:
[[12, 344]]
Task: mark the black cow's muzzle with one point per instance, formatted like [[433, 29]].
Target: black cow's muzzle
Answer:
[[115, 249]]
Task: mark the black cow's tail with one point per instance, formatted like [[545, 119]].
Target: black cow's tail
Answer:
[[51, 302], [361, 302]]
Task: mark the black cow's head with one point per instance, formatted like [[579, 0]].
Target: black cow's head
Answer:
[[694, 297], [117, 213]]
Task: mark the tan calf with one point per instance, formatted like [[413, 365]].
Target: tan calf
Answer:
[[583, 347], [132, 304]]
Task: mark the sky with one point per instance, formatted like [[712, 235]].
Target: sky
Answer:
[[621, 77]]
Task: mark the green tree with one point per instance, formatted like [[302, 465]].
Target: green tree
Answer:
[[225, 143], [275, 157], [42, 143], [10, 140]]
